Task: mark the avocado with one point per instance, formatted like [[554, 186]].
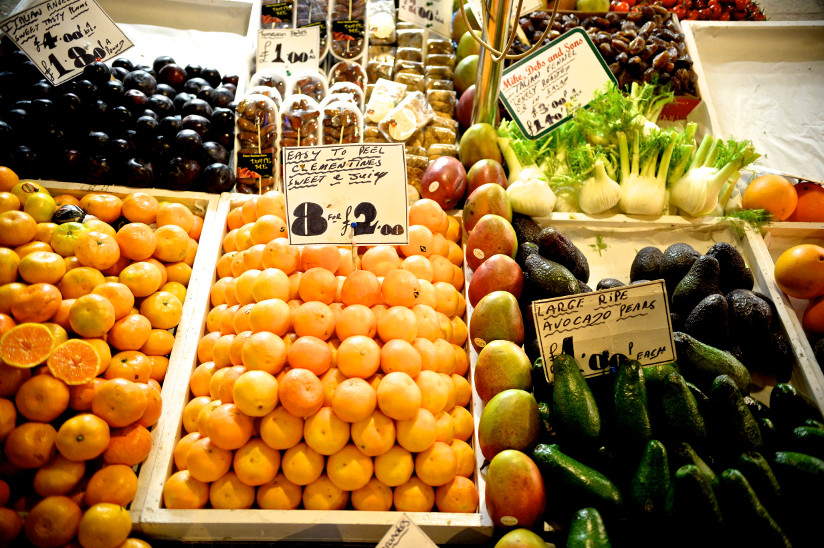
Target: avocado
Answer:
[[574, 411], [772, 355], [682, 453], [587, 530], [732, 426], [790, 408], [651, 482], [609, 283], [546, 279], [676, 262], [694, 509], [646, 265], [583, 287], [532, 347], [809, 440], [525, 250], [700, 398], [758, 408], [750, 522], [631, 413], [800, 475], [682, 418], [734, 271], [756, 468], [676, 320], [709, 321], [750, 316], [557, 247], [526, 229], [700, 363], [699, 282]]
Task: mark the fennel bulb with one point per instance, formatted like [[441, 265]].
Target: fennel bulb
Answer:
[[531, 197], [599, 192], [643, 191]]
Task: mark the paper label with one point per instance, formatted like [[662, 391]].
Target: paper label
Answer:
[[292, 49], [539, 90], [405, 534], [276, 15], [435, 15], [632, 320], [255, 166], [346, 194], [61, 37]]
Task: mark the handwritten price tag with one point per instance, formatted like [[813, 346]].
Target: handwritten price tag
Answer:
[[405, 534], [538, 89], [435, 15], [293, 49], [61, 37], [632, 320], [346, 194]]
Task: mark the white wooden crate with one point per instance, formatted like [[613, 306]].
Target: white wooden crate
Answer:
[[204, 205], [257, 524]]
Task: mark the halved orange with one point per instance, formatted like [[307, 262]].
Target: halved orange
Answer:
[[74, 362], [26, 345]]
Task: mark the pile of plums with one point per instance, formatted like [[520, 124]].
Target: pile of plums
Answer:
[[162, 126]]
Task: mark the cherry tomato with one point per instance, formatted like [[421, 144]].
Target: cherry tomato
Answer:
[[714, 10], [668, 3], [680, 11], [620, 6], [725, 16], [693, 14], [741, 4]]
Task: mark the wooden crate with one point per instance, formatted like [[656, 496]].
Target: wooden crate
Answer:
[[623, 237], [258, 524], [777, 238], [206, 206]]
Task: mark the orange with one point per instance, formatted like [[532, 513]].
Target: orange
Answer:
[[361, 287], [279, 494], [271, 283], [163, 310], [358, 356], [436, 465], [206, 461], [395, 466], [222, 384], [301, 464], [129, 445], [119, 295], [172, 213], [91, 316], [420, 242], [119, 402], [256, 463], [6, 323], [414, 496], [325, 432], [16, 228], [322, 494], [159, 343], [130, 332], [53, 521], [31, 444], [267, 228], [80, 281], [458, 495], [418, 433], [26, 345], [114, 483], [400, 288], [234, 219], [9, 264], [398, 322], [172, 244], [318, 284], [80, 395], [310, 353], [229, 493], [398, 396], [11, 525], [400, 355], [322, 256], [810, 206], [264, 351], [255, 393], [182, 491], [427, 212], [8, 293], [140, 207], [300, 392], [249, 209], [374, 435], [181, 450], [228, 427], [154, 405], [104, 525], [97, 250], [142, 278], [279, 254], [42, 398], [131, 365], [191, 411], [137, 241], [773, 193], [374, 496], [8, 419], [196, 231], [813, 318], [106, 207], [200, 379], [280, 429], [8, 178], [466, 457], [314, 318], [41, 267], [799, 271], [356, 319], [380, 259], [349, 469], [9, 202], [353, 400], [272, 202], [36, 303]]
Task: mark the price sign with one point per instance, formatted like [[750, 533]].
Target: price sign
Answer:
[[538, 89], [435, 15], [346, 194], [633, 320], [292, 49], [527, 6], [61, 37], [405, 534]]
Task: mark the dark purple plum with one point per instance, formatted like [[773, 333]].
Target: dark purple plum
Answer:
[[223, 96], [188, 141], [23, 159], [193, 71], [181, 99], [211, 75], [196, 106], [112, 92], [119, 118], [120, 73], [214, 152], [152, 114], [163, 148], [142, 80], [193, 85], [86, 89], [172, 75], [146, 127], [223, 119], [135, 100], [122, 62], [199, 123], [217, 178], [97, 141], [7, 134], [120, 150], [233, 79], [97, 72], [162, 105], [181, 173], [139, 173], [170, 125], [166, 90], [161, 62], [98, 170], [207, 94], [41, 89]]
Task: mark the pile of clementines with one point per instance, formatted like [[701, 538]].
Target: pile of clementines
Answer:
[[330, 378], [87, 314]]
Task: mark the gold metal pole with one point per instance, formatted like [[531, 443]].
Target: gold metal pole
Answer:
[[488, 79]]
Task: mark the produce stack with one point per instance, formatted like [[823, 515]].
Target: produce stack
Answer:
[[91, 294], [329, 378]]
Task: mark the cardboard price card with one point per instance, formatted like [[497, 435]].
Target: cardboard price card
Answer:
[[61, 37], [632, 320], [435, 15], [405, 534], [346, 194], [292, 49], [539, 89]]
